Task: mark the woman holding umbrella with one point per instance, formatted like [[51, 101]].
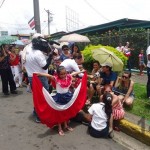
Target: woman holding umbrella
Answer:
[[5, 71]]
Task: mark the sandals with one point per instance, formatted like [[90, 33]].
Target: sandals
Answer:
[[61, 132], [69, 128], [117, 129]]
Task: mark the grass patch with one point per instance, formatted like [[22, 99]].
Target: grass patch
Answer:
[[141, 106]]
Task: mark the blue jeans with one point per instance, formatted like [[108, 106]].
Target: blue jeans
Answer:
[[44, 81], [148, 82]]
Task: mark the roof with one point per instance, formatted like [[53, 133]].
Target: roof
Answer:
[[117, 25]]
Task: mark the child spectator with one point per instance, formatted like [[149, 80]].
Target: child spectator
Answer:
[[141, 62]]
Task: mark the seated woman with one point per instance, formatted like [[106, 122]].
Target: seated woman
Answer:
[[92, 84], [124, 88], [99, 117]]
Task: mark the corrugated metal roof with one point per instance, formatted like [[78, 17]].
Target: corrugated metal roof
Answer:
[[118, 24]]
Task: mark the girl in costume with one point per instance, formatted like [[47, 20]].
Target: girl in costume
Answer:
[[62, 82]]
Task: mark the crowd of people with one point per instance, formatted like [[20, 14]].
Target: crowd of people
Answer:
[[62, 71], [127, 51]]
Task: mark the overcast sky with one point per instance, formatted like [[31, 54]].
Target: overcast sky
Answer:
[[15, 14]]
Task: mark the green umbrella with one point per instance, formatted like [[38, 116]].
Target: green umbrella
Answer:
[[7, 39]]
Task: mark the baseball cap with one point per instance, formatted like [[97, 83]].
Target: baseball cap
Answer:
[[107, 64]]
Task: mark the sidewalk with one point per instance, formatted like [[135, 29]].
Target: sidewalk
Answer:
[[135, 126]]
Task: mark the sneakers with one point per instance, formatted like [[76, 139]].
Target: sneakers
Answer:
[[37, 120]]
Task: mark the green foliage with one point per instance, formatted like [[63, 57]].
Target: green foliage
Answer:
[[87, 52], [141, 106], [136, 36]]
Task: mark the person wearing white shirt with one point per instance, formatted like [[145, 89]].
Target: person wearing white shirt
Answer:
[[100, 116], [72, 64], [35, 60], [120, 48], [148, 71]]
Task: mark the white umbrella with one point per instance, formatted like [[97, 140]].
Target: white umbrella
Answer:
[[74, 38]]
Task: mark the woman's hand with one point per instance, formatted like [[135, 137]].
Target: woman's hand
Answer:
[[91, 76]]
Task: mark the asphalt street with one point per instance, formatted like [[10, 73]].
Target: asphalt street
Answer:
[[18, 130]]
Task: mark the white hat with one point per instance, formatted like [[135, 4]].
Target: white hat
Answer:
[[36, 35], [107, 64]]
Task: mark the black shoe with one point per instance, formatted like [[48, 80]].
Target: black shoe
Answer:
[[37, 120], [6, 94], [14, 92]]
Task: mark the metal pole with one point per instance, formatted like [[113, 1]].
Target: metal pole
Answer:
[[50, 19], [48, 22], [37, 16], [147, 37]]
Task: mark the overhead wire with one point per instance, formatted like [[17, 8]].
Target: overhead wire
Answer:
[[2, 3], [96, 10]]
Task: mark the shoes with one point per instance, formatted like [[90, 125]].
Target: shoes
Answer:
[[6, 94], [141, 74], [37, 120], [14, 92], [117, 129], [69, 128]]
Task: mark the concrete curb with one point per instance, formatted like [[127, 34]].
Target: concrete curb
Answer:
[[135, 131]]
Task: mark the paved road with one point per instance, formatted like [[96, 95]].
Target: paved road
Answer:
[[18, 131]]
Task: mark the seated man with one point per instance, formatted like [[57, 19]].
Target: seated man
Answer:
[[107, 76]]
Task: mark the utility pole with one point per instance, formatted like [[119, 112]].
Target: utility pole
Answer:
[[50, 19], [37, 16]]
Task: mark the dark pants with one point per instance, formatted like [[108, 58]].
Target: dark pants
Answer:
[[148, 82], [99, 134], [129, 64], [7, 78]]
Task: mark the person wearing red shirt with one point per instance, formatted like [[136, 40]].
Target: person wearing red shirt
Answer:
[[15, 66]]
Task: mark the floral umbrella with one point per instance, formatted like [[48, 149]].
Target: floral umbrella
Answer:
[[7, 39]]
